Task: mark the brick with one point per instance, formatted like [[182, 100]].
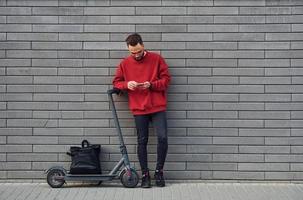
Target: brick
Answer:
[[147, 37], [283, 158], [104, 45], [239, 3], [264, 115], [77, 140], [83, 105], [16, 114], [13, 157], [58, 80], [239, 140], [186, 37], [32, 3], [190, 88], [283, 140], [264, 45], [58, 131], [190, 71], [31, 71], [264, 132], [238, 175], [58, 28], [212, 10], [14, 45], [31, 88], [239, 36], [161, 11], [283, 2], [212, 132], [25, 174], [187, 19], [238, 88], [265, 10], [15, 131], [109, 11], [15, 11], [187, 54], [185, 3], [263, 166], [238, 123], [212, 114], [239, 19], [16, 80], [83, 123], [283, 106], [264, 63], [15, 148], [15, 166], [161, 28], [189, 123], [58, 97], [56, 45], [264, 149], [57, 11], [265, 80], [284, 36], [32, 105], [30, 54], [238, 71], [33, 36], [82, 72], [165, 45], [211, 166], [3, 36], [32, 140], [238, 106], [250, 158], [109, 28], [211, 149], [83, 36], [212, 28], [212, 80], [283, 175], [15, 28], [135, 19], [31, 123], [32, 19], [136, 3], [240, 54], [265, 28], [211, 45], [82, 88], [211, 62], [284, 19]]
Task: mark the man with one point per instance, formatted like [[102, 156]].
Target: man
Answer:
[[145, 76]]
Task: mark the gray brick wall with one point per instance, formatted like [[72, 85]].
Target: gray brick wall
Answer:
[[235, 103]]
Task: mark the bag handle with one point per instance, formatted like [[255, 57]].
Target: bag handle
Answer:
[[85, 142]]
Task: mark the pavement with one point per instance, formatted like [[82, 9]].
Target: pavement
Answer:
[[173, 191]]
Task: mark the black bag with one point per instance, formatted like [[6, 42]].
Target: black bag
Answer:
[[85, 159]]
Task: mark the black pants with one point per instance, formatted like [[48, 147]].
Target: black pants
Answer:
[[160, 126]]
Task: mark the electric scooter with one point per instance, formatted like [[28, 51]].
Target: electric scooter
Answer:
[[57, 175]]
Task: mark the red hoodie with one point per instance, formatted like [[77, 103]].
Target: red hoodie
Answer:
[[151, 68]]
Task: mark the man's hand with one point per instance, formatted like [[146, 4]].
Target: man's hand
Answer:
[[132, 85], [144, 85]]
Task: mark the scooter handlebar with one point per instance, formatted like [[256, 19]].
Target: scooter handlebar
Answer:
[[113, 91]]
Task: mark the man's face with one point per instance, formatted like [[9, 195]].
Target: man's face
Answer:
[[137, 52]]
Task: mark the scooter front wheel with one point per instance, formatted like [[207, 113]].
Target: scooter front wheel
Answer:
[[55, 178], [129, 178]]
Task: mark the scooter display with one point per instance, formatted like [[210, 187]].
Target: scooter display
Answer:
[[57, 175]]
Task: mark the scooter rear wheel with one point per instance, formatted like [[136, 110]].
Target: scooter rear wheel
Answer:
[[130, 178], [55, 178]]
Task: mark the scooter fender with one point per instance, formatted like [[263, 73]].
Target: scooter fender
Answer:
[[126, 168], [56, 167]]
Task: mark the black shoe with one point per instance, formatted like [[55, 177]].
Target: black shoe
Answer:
[[160, 182], [145, 180]]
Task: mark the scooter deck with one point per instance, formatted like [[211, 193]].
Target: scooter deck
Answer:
[[89, 177]]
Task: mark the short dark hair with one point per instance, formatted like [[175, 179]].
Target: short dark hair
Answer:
[[134, 39]]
